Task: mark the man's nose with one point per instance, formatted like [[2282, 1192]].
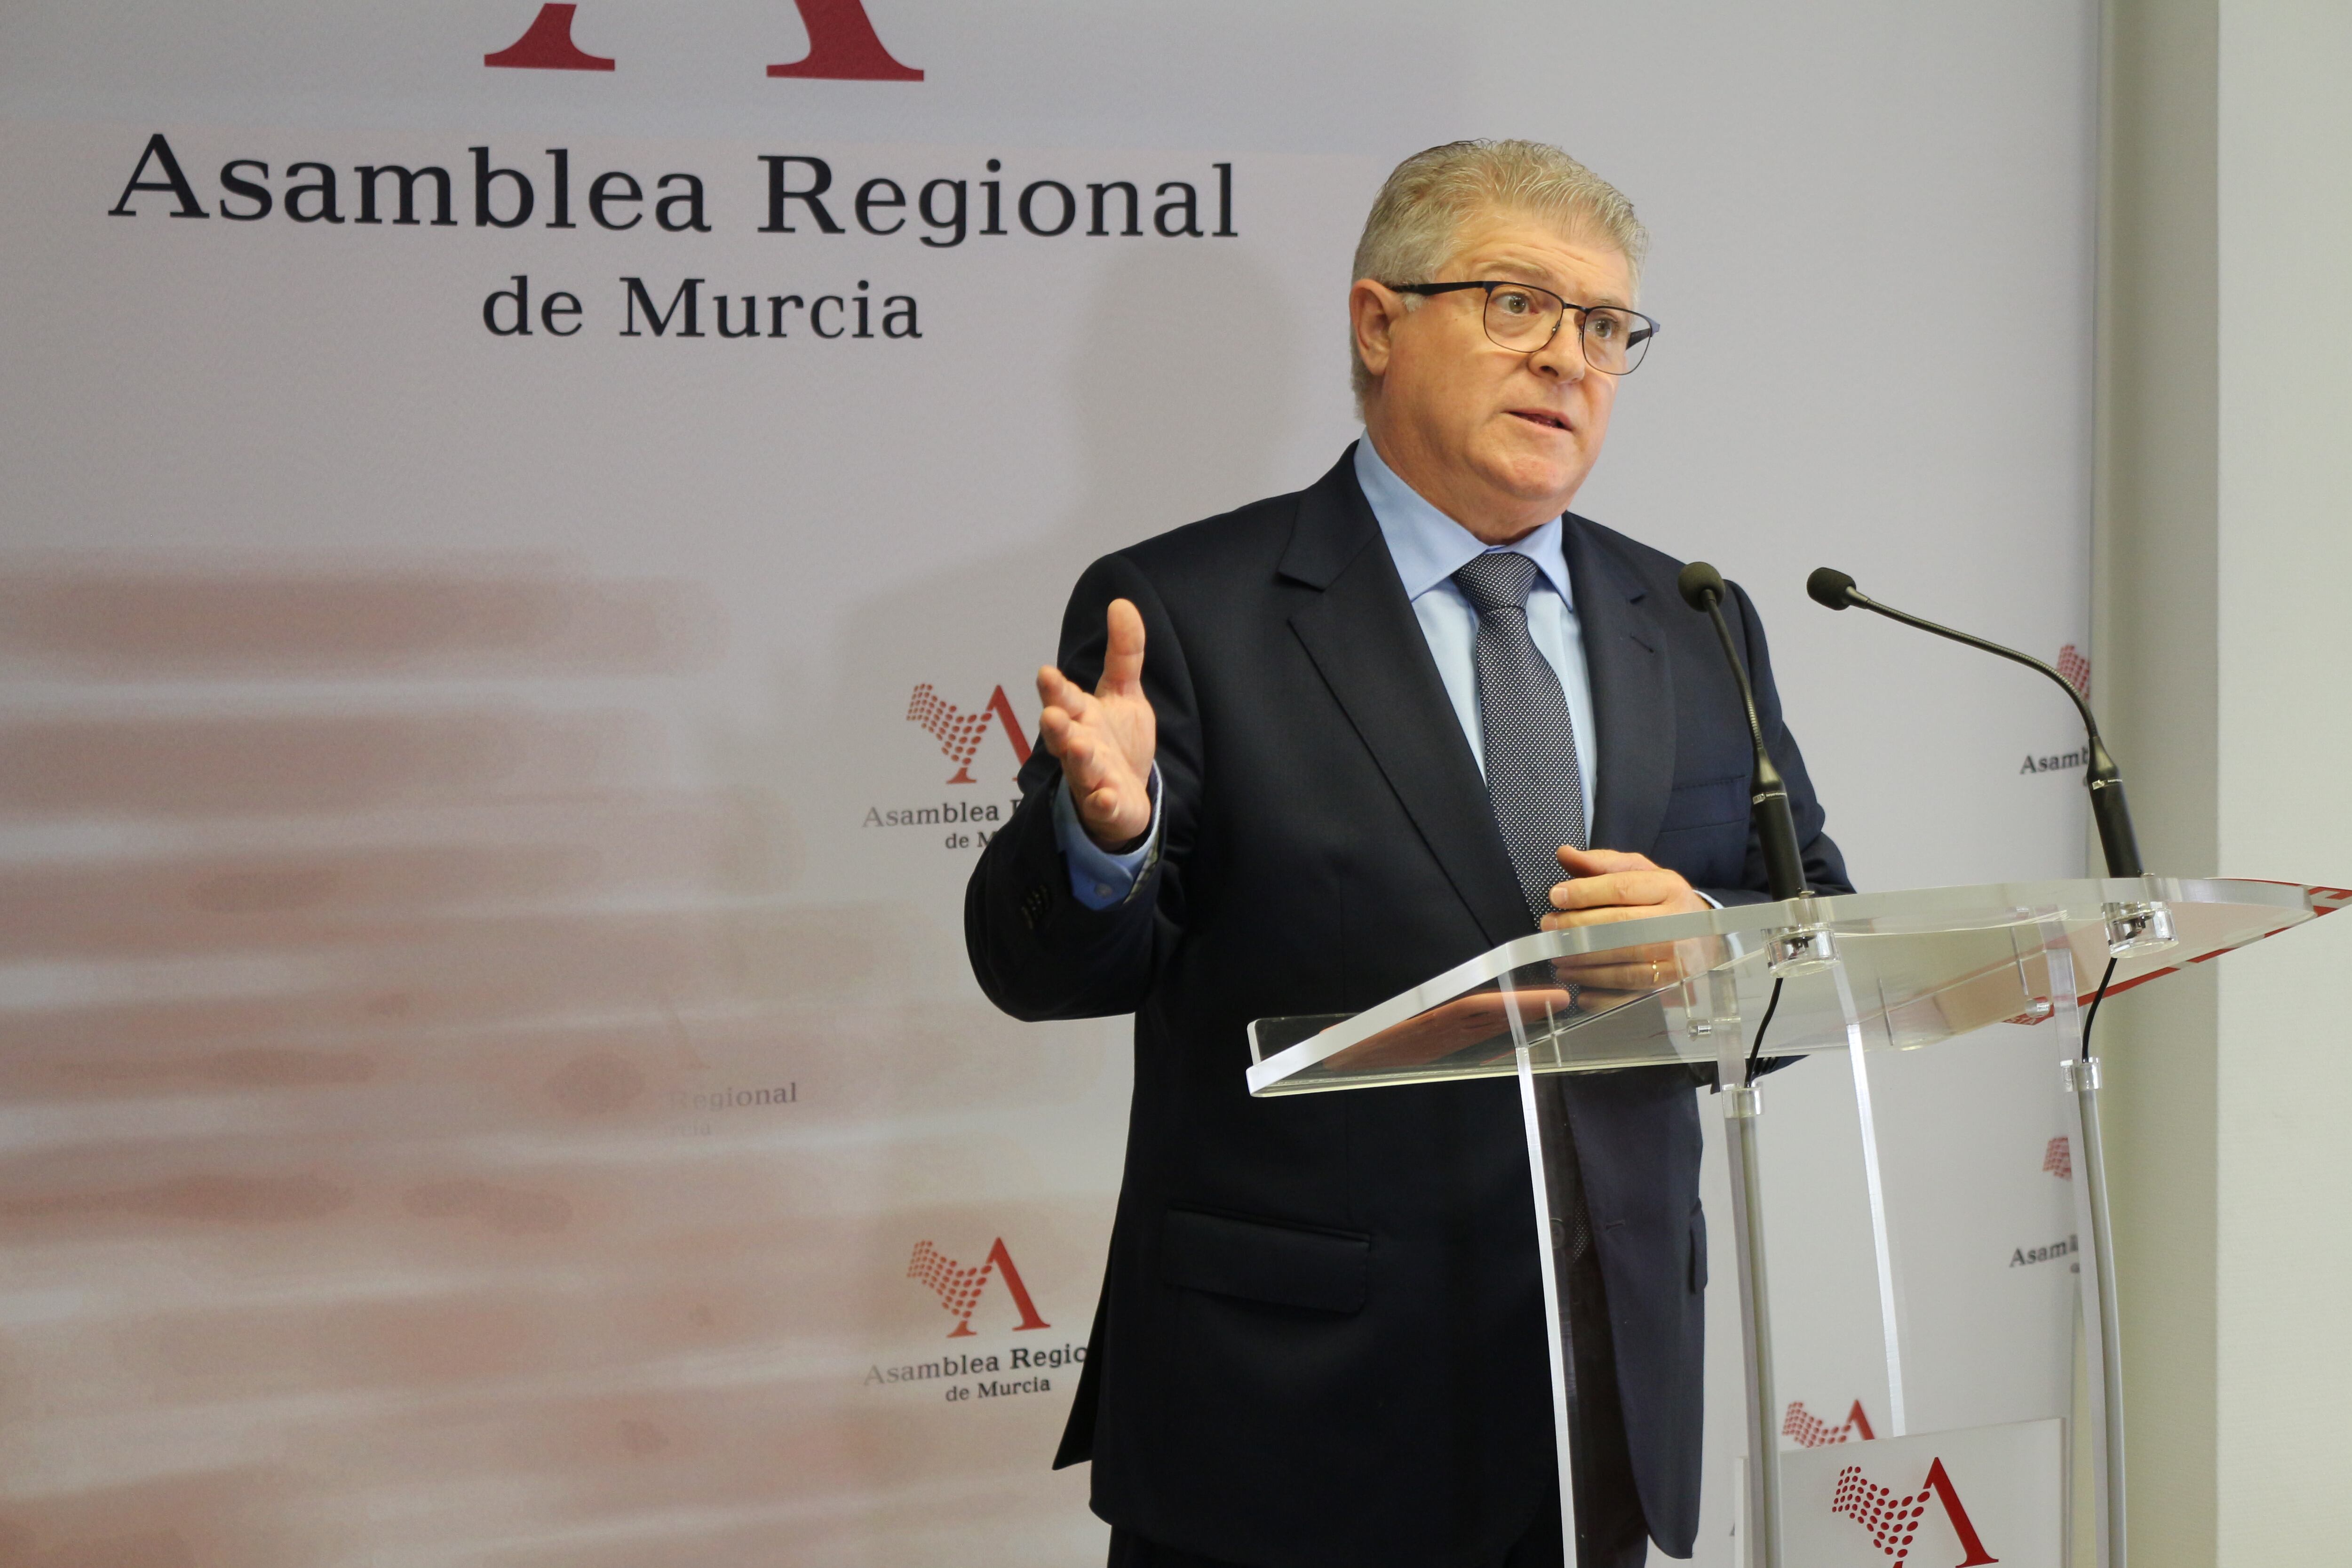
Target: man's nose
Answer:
[[1563, 357]]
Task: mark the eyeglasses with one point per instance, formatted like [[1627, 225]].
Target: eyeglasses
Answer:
[[1523, 318]]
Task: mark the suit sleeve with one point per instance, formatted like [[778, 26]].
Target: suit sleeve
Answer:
[[1036, 951], [1824, 863]]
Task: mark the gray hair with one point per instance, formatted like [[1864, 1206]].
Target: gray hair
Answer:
[[1411, 231]]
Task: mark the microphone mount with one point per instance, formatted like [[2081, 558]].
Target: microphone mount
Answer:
[[1834, 590], [1701, 586]]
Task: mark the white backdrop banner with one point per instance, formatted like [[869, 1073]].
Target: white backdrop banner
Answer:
[[528, 529]]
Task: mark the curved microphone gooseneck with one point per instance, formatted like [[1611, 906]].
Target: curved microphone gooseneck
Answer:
[[1834, 590], [1701, 586]]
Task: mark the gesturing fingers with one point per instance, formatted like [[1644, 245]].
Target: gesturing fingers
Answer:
[[1058, 694], [1085, 758], [1062, 703], [1123, 658], [1105, 739]]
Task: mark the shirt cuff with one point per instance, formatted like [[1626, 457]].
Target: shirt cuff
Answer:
[[1098, 879]]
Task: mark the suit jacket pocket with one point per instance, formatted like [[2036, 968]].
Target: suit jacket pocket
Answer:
[[1264, 1260], [1710, 802]]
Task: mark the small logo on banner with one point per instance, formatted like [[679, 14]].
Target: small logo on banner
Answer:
[[1811, 1432], [2059, 1159], [959, 1288], [843, 46], [2047, 1252], [1894, 1522], [959, 734], [2076, 669]]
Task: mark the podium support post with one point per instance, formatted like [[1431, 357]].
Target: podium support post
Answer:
[[1714, 998], [2101, 1318], [1742, 1103], [1531, 1108]]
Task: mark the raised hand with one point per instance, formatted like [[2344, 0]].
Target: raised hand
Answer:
[[1106, 739]]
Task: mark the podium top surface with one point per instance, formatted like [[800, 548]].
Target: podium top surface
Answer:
[[1907, 968]]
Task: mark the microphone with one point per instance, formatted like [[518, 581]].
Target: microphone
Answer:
[[1835, 590], [1701, 586]]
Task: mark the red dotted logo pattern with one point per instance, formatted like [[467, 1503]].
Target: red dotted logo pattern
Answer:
[[2076, 669], [1811, 1432], [958, 733], [2059, 1159], [1892, 1521], [958, 1287]]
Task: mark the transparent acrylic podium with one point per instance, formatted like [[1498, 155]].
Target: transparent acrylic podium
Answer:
[[1954, 968]]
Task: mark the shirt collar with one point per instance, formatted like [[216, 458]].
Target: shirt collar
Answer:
[[1429, 547]]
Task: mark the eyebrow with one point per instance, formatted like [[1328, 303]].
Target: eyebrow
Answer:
[[1542, 278]]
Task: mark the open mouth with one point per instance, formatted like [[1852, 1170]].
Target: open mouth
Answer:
[[1540, 417]]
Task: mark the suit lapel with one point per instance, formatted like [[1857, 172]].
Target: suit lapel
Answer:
[[1633, 693], [1361, 634]]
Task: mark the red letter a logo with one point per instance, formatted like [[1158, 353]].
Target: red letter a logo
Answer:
[[1894, 1522], [547, 45], [1004, 1262], [1941, 1485], [959, 734], [959, 1288], [843, 46]]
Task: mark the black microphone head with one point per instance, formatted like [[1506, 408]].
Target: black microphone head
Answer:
[[1701, 586], [1830, 587]]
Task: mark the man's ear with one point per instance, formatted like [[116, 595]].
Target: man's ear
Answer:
[[1374, 309]]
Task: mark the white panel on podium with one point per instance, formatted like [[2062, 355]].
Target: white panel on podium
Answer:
[[1947, 1499]]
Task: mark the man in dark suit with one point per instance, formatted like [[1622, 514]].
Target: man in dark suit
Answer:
[[1384, 724]]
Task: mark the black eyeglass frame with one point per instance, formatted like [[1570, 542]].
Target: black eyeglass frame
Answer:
[[1638, 337]]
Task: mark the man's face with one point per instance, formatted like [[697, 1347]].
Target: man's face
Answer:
[[1498, 439]]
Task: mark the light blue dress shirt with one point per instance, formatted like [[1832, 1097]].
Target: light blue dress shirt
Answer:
[[1099, 879], [1428, 547]]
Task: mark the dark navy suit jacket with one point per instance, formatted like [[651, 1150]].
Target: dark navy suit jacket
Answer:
[[1321, 1342]]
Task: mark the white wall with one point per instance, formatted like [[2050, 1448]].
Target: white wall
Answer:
[[2227, 391], [2285, 1366]]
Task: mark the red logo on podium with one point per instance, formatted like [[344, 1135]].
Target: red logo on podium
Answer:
[[1894, 1522], [2059, 1159], [1811, 1432], [959, 734], [959, 1288]]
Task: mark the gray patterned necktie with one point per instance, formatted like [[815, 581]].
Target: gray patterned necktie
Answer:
[[1537, 794], [1532, 778]]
